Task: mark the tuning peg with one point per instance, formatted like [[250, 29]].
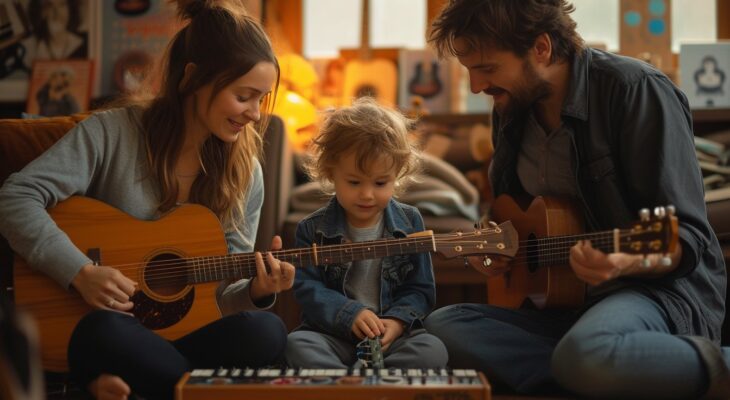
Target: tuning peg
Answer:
[[671, 210], [486, 261], [645, 262], [660, 212], [493, 224], [665, 261], [644, 214]]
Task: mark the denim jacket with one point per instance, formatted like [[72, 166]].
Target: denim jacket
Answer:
[[407, 289]]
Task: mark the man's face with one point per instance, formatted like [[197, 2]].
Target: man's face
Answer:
[[512, 81]]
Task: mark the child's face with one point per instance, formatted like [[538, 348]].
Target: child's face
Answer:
[[363, 194]]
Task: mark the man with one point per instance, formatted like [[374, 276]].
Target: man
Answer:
[[614, 135]]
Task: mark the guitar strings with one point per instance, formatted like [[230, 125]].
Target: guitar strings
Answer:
[[51, 305], [179, 265], [235, 263], [555, 254], [529, 243], [241, 263], [458, 239]]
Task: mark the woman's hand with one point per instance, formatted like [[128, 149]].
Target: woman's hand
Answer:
[[104, 287], [280, 276], [367, 324], [393, 330]]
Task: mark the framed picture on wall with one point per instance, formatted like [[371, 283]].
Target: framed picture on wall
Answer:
[[59, 87], [424, 77], [704, 74], [33, 30], [133, 36]]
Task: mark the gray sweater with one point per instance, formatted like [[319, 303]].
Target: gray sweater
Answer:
[[104, 158]]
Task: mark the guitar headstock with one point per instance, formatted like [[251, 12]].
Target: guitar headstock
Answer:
[[494, 239], [657, 233]]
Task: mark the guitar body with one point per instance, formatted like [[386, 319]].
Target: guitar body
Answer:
[[551, 286], [377, 78], [170, 307]]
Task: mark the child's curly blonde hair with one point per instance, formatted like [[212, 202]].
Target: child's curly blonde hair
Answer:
[[373, 133]]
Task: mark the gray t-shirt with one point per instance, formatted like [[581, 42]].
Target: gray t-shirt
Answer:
[[362, 282], [546, 163], [103, 157]]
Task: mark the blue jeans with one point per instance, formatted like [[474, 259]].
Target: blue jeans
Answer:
[[621, 347]]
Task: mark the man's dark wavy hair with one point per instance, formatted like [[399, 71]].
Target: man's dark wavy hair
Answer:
[[511, 25]]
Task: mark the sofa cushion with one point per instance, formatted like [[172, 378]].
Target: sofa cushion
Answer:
[[22, 140]]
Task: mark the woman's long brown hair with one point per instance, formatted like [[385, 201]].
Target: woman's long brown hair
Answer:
[[224, 43]]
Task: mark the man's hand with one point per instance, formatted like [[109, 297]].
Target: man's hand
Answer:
[[393, 330], [104, 287], [367, 324], [596, 267], [280, 276]]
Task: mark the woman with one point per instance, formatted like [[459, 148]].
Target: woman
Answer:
[[192, 143]]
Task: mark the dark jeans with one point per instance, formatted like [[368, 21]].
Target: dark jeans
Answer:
[[115, 343]]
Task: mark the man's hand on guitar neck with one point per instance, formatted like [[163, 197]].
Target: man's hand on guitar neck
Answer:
[[104, 287], [596, 267], [492, 266]]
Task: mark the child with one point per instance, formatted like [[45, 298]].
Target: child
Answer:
[[364, 154]]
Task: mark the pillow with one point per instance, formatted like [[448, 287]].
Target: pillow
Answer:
[[22, 140]]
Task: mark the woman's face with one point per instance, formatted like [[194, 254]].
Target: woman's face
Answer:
[[56, 15], [237, 104]]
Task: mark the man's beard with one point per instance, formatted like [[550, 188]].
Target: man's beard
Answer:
[[526, 93]]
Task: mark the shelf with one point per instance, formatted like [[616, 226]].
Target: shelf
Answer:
[[711, 115]]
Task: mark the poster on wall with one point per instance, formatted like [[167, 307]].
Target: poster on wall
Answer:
[[134, 36], [422, 76], [32, 30], [704, 73], [646, 31], [59, 87]]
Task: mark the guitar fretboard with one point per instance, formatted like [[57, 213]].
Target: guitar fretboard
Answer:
[[243, 265], [555, 250]]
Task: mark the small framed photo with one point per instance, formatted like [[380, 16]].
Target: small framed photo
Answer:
[[59, 87], [704, 74]]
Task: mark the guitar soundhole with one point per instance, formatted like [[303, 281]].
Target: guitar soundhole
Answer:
[[532, 253], [166, 274]]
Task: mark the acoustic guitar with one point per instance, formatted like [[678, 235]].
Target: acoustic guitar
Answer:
[[547, 229], [178, 260], [368, 76]]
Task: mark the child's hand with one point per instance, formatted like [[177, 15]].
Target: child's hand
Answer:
[[393, 329], [367, 324]]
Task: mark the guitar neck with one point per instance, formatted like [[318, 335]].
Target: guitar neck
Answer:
[[243, 265], [555, 250]]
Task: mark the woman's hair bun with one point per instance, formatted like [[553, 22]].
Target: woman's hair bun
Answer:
[[188, 9]]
